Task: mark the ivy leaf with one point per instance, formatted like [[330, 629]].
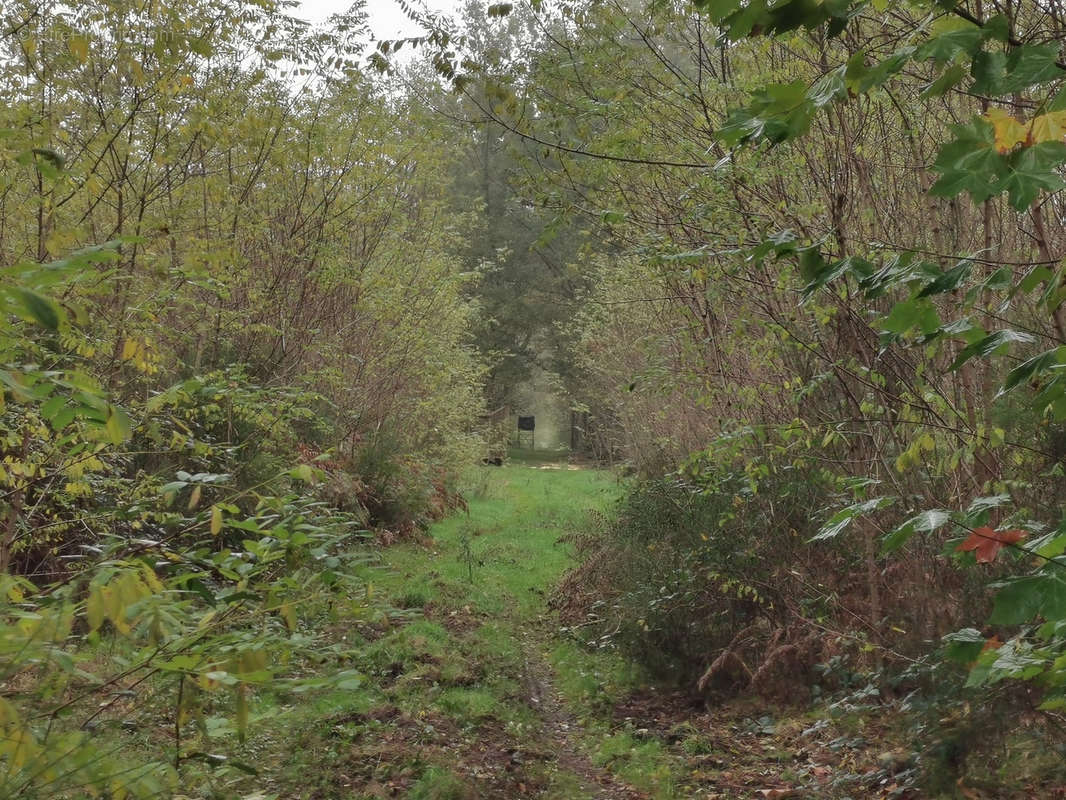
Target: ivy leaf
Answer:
[[986, 542]]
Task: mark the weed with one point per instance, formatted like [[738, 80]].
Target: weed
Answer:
[[440, 784], [466, 554], [467, 706], [642, 764]]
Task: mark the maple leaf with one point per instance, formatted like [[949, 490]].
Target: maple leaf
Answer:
[[1008, 130], [986, 543], [1048, 127]]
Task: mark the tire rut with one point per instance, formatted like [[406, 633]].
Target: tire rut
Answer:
[[562, 729]]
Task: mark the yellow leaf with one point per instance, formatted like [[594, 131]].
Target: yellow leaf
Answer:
[[216, 520], [9, 716], [194, 498], [1050, 127], [1008, 130], [252, 661], [117, 425], [79, 47], [94, 607], [111, 599], [288, 615], [151, 580]]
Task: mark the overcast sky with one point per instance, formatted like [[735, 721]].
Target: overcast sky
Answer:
[[387, 21]]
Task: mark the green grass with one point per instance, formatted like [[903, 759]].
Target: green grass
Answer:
[[440, 784], [642, 764], [502, 557], [592, 682]]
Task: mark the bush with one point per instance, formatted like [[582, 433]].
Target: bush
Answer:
[[682, 568]]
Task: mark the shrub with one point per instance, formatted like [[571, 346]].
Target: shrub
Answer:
[[682, 568]]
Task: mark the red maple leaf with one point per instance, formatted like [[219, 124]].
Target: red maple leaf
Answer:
[[986, 543]]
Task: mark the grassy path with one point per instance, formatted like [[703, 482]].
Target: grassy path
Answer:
[[471, 692], [480, 659], [473, 695]]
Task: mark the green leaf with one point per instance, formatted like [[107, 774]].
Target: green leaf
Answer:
[[957, 36], [118, 425], [979, 505], [908, 314], [1050, 545], [842, 519], [948, 281], [1036, 365], [242, 713], [925, 522], [970, 163], [963, 646], [989, 344], [1053, 701], [37, 307], [1032, 170], [303, 472], [1021, 600], [862, 79], [827, 272], [50, 409], [998, 73], [949, 79], [63, 418], [778, 112]]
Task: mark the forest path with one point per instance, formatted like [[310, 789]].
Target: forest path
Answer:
[[562, 729], [472, 689], [481, 694], [467, 694]]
